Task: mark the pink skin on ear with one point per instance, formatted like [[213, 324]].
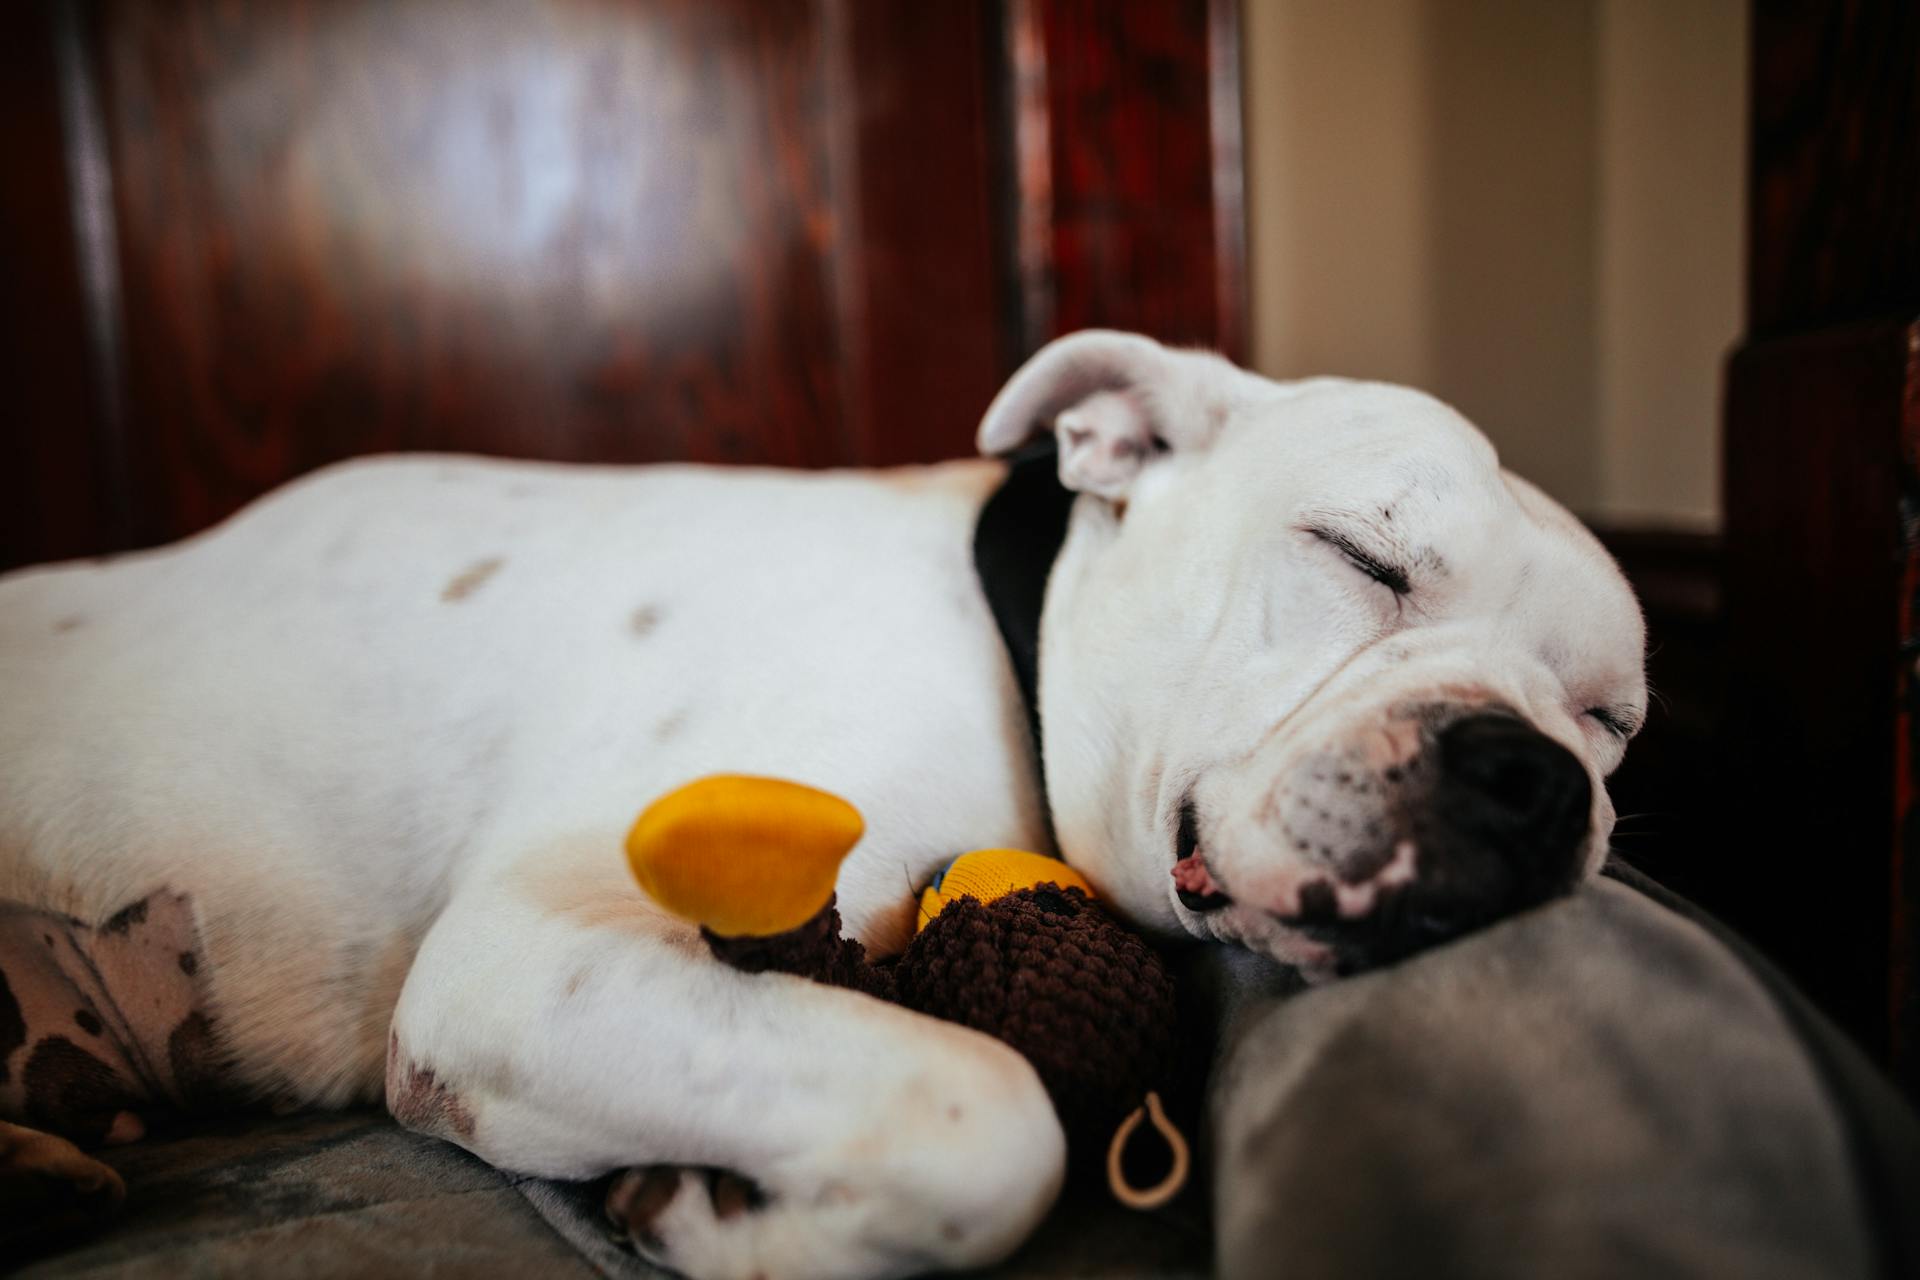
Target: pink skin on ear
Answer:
[[1103, 442]]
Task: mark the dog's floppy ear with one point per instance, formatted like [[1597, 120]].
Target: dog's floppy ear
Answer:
[[1113, 401]]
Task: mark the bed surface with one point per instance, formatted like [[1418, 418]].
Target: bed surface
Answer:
[[353, 1194], [1608, 1085]]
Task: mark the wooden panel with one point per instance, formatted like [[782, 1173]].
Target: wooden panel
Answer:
[[924, 308], [1143, 153], [1813, 561], [773, 231], [565, 230], [1836, 161], [1820, 408], [58, 496], [1904, 1002]]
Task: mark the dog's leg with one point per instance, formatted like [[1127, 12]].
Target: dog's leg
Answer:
[[559, 1024]]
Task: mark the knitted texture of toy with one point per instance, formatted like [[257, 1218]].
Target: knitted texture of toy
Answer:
[[1009, 943]]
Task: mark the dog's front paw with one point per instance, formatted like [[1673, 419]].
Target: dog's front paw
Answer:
[[681, 1218]]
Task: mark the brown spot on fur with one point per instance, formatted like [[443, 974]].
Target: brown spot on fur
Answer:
[[87, 1021], [645, 619], [470, 579], [71, 1092], [73, 623], [421, 1102], [908, 479], [123, 919], [670, 727], [576, 981], [189, 963]]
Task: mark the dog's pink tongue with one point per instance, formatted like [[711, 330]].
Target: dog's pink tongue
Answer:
[[1191, 874]]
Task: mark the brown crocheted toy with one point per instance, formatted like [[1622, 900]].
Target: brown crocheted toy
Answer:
[[1009, 943]]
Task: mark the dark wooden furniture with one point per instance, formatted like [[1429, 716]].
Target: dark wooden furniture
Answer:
[[246, 240], [1669, 820], [1817, 860]]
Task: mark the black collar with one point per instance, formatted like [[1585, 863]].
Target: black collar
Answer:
[[1015, 543]]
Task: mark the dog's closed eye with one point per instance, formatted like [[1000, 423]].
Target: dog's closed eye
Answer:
[[1620, 723], [1381, 570]]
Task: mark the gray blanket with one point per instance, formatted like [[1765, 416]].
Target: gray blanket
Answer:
[[1603, 1087], [351, 1194], [1599, 1088]]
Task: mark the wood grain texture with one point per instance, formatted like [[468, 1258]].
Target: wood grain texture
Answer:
[[1836, 161], [573, 231], [58, 498], [768, 231], [922, 307], [1144, 232]]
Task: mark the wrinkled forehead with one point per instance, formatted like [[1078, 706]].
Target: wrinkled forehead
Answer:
[[1371, 436], [1366, 451], [1400, 465]]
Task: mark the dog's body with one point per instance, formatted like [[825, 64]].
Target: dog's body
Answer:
[[362, 758]]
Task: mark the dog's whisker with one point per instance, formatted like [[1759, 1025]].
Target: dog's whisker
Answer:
[[1635, 817]]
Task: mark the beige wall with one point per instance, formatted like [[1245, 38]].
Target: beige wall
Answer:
[[1672, 158], [1530, 207]]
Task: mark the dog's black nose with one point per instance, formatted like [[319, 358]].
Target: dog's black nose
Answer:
[[1502, 829], [1504, 782]]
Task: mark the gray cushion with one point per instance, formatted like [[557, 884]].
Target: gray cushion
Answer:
[[1597, 1088], [1602, 1087]]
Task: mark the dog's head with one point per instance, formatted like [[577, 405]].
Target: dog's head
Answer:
[[1316, 675]]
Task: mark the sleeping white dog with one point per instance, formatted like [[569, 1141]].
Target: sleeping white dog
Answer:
[[331, 798]]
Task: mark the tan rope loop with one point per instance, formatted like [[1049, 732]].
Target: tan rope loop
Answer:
[[1168, 1187]]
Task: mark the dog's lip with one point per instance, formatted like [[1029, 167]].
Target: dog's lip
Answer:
[[1186, 841], [1194, 883]]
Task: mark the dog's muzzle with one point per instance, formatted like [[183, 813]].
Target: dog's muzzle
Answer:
[[1491, 817]]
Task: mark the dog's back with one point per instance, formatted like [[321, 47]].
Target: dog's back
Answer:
[[303, 726]]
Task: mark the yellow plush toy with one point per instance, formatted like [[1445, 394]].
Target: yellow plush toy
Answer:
[[743, 855], [1009, 943]]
